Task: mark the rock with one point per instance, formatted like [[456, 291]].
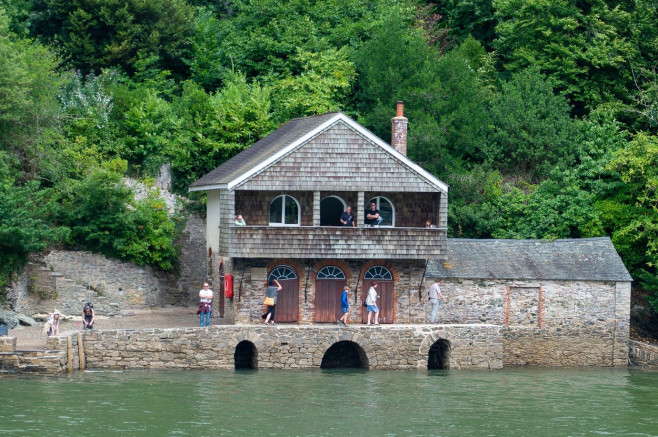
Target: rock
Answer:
[[8, 318], [26, 320]]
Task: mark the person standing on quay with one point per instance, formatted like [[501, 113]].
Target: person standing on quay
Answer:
[[371, 302], [344, 306], [205, 305], [435, 294]]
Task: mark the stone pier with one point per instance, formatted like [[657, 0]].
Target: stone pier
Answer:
[[393, 347]]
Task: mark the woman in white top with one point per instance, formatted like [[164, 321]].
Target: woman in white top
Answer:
[[371, 301]]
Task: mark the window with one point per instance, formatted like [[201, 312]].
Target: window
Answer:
[[285, 211], [330, 272], [386, 210], [282, 272], [378, 272]]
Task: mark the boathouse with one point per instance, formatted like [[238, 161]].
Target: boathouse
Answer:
[[562, 303]]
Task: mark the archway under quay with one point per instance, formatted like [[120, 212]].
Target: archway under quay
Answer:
[[245, 356], [345, 355]]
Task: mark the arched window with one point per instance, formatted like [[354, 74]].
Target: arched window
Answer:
[[285, 211], [378, 272], [282, 272], [386, 210], [330, 272]]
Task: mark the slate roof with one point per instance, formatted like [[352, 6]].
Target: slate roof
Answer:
[[586, 259], [262, 150]]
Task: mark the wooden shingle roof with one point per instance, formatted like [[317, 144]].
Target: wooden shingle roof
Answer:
[[585, 259]]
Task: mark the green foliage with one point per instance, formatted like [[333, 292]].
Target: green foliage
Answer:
[[581, 45], [323, 85], [531, 130], [259, 37], [474, 18], [103, 216], [636, 233], [28, 103], [116, 33], [211, 128], [24, 226]]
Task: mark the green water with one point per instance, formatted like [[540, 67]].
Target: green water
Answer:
[[511, 402]]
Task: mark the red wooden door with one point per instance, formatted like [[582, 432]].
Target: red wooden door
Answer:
[[386, 301], [327, 300], [287, 304]]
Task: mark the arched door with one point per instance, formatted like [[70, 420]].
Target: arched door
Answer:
[[331, 208], [329, 284], [385, 290], [287, 306]]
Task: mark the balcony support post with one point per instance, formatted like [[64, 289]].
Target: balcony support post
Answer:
[[316, 208], [360, 211]]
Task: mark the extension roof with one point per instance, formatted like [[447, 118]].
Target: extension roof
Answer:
[[288, 138], [586, 259]]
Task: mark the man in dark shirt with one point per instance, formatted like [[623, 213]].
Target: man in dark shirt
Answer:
[[372, 216], [347, 219]]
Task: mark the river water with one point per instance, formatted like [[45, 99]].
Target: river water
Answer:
[[509, 402]]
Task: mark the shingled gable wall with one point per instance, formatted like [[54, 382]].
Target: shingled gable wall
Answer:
[[325, 162]]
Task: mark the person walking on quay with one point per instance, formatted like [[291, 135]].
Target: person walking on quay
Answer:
[[344, 306], [271, 293], [435, 295], [371, 302], [205, 305]]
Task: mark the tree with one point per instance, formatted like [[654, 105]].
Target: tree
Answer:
[[636, 231], [531, 130], [99, 34], [28, 98], [580, 45]]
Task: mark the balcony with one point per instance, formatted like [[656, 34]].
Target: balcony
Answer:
[[335, 242]]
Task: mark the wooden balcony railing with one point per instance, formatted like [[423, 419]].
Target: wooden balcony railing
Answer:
[[335, 242]]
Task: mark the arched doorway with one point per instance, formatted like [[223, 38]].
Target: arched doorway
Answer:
[[385, 290], [439, 355], [331, 207], [287, 306], [345, 355], [245, 356], [329, 284]]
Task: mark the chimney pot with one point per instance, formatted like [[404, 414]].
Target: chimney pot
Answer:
[[399, 129]]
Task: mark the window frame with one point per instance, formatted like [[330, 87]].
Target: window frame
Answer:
[[283, 211]]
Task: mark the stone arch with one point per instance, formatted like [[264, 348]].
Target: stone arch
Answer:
[[245, 356], [346, 336], [435, 352]]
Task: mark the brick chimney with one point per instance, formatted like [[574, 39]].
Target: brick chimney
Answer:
[[399, 130]]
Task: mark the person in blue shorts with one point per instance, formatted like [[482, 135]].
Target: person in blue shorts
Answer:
[[344, 306]]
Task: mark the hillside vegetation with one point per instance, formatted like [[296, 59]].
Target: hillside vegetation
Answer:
[[541, 115]]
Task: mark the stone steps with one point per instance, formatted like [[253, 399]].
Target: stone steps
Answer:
[[31, 361]]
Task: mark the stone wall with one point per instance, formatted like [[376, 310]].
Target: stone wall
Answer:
[[548, 323], [289, 347], [643, 354], [67, 279]]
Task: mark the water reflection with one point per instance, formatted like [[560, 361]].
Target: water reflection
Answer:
[[510, 402]]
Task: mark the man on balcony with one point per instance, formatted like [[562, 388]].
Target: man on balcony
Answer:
[[372, 216], [347, 219]]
